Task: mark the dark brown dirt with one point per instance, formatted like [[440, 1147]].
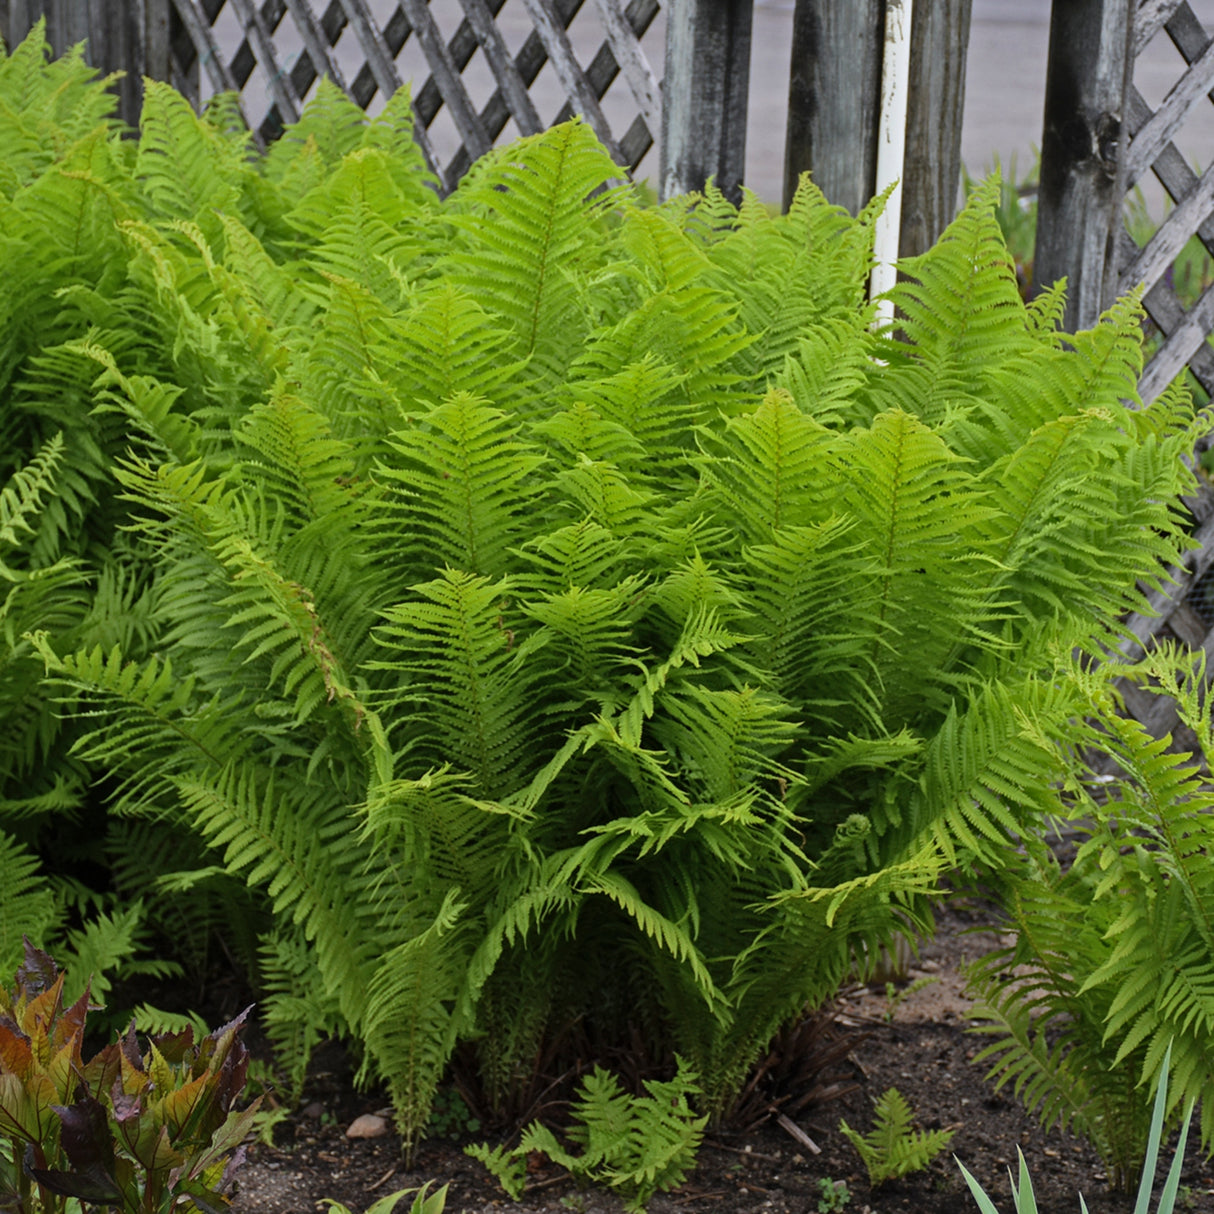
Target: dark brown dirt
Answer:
[[919, 1046]]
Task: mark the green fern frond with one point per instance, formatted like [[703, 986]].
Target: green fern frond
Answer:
[[28, 907], [517, 257], [765, 478], [461, 488], [297, 1011], [408, 1023], [93, 954], [960, 308], [331, 125], [357, 221], [445, 344], [21, 498], [185, 167], [473, 672]]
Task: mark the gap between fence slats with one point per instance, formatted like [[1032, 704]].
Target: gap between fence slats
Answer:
[[280, 85], [1151, 17], [1165, 245], [446, 75], [501, 64], [1167, 120], [553, 34], [631, 58]]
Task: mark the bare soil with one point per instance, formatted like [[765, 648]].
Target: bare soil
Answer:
[[919, 1045]]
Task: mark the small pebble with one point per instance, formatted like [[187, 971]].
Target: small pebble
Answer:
[[315, 1110], [367, 1126]]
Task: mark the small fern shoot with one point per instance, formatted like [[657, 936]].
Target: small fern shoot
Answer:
[[891, 1149]]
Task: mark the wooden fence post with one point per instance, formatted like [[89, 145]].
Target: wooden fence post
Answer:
[[940, 35], [130, 37], [1082, 170], [834, 98], [704, 95]]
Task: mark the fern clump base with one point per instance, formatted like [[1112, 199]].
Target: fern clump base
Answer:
[[556, 611]]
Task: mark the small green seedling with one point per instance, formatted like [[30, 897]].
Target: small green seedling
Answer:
[[835, 1195], [891, 1149]]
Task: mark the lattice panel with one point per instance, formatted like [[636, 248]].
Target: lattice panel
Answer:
[[474, 66], [1184, 323]]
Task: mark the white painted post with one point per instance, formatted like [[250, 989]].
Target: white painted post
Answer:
[[891, 150]]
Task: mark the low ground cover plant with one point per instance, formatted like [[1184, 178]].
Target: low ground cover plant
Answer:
[[573, 623]]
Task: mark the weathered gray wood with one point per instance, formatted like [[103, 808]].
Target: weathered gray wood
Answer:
[[833, 99], [113, 34], [628, 54], [317, 45], [1180, 346], [281, 88], [198, 27], [932, 177], [1187, 92], [604, 69], [1164, 309], [155, 41], [1082, 181], [1150, 19], [1170, 237], [1186, 624], [379, 60], [530, 59], [552, 32], [498, 56], [446, 75], [705, 95]]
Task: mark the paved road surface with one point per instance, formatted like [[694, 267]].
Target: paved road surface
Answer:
[[1004, 94]]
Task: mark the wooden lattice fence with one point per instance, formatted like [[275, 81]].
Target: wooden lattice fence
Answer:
[[1102, 140], [197, 55]]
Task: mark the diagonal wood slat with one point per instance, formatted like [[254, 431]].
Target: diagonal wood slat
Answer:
[[1171, 236], [505, 72], [319, 29], [1195, 84], [1179, 348], [554, 35], [447, 77], [1151, 17], [626, 47], [281, 88]]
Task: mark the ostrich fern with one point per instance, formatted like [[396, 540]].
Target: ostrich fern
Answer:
[[572, 611]]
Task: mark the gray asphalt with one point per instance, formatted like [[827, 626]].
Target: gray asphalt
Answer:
[[1005, 85]]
